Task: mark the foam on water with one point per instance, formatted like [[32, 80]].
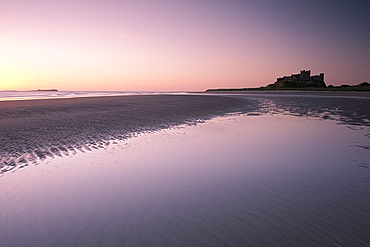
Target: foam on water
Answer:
[[29, 95]]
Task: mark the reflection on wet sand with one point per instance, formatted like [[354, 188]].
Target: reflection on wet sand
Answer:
[[347, 110], [231, 181]]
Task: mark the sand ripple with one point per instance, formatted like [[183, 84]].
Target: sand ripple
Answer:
[[40, 129]]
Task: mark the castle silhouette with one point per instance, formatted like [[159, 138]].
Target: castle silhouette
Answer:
[[303, 76]]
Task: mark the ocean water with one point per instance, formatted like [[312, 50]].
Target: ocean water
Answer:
[[26, 95], [294, 173]]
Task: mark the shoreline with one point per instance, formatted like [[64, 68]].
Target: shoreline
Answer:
[[36, 95], [292, 92], [36, 129]]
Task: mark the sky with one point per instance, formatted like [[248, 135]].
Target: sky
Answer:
[[166, 45]]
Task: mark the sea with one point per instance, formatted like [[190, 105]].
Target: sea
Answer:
[[295, 172], [29, 95]]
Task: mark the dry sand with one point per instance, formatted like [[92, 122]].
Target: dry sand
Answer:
[[33, 129]]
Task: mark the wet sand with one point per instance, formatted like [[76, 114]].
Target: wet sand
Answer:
[[292, 171], [297, 93], [36, 129], [240, 180]]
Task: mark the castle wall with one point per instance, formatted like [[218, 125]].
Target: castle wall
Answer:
[[317, 77]]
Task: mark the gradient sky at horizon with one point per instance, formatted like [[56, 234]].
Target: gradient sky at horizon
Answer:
[[179, 45]]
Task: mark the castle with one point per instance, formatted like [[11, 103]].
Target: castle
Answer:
[[303, 76], [301, 80]]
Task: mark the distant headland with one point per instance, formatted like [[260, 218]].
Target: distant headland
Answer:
[[302, 81], [43, 90]]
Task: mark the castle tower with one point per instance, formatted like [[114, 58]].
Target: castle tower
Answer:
[[322, 76], [305, 75]]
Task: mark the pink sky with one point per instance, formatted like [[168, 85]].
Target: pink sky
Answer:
[[176, 45]]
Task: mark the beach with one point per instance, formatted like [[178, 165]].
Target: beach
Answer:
[[35, 129], [184, 123], [186, 170]]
